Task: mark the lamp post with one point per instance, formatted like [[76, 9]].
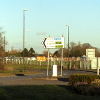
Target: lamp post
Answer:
[[24, 33], [68, 41]]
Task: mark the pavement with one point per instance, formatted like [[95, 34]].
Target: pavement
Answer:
[[33, 82]]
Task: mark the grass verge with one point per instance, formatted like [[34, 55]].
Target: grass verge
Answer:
[[41, 92]]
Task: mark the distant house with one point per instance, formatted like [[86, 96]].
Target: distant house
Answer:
[[41, 57]]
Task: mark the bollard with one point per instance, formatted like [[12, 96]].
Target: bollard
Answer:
[[54, 70]]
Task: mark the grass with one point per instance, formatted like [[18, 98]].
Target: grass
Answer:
[[26, 66], [21, 66], [41, 92], [13, 68]]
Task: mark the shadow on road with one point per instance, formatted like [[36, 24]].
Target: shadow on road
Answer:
[[19, 74], [64, 79]]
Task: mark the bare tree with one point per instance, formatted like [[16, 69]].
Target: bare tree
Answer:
[[2, 48]]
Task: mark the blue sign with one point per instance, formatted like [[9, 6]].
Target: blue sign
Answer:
[[57, 38]]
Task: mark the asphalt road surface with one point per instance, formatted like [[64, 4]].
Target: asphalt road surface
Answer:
[[40, 79]]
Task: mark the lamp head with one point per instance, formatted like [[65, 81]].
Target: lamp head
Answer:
[[67, 25], [25, 9]]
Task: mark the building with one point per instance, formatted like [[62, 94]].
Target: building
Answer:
[[41, 57]]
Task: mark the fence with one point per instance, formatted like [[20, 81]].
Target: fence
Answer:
[[77, 64], [66, 64]]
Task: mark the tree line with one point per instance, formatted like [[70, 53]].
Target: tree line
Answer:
[[76, 50], [19, 53]]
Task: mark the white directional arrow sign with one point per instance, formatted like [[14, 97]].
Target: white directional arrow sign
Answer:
[[53, 42]]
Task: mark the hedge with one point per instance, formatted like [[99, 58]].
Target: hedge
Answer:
[[86, 78]]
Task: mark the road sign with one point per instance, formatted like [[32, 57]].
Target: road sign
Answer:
[[53, 42], [90, 53]]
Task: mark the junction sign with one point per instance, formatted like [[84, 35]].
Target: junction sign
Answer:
[[53, 42]]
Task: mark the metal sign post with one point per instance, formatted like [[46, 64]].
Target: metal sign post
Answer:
[[97, 67], [48, 63], [62, 62]]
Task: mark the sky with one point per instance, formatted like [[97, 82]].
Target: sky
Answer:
[[46, 18]]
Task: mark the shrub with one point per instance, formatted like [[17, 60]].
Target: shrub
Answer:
[[97, 90], [84, 89], [87, 78], [85, 84], [96, 82]]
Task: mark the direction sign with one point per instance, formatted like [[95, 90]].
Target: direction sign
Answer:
[[53, 42]]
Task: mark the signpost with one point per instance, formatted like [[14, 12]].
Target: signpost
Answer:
[[53, 43]]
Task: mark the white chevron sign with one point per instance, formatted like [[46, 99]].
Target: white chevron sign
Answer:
[[53, 42]]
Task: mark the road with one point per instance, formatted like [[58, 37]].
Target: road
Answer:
[[40, 79]]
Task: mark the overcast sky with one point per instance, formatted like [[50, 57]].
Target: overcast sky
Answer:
[[50, 17]]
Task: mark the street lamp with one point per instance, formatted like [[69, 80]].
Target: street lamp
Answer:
[[68, 41], [24, 32]]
